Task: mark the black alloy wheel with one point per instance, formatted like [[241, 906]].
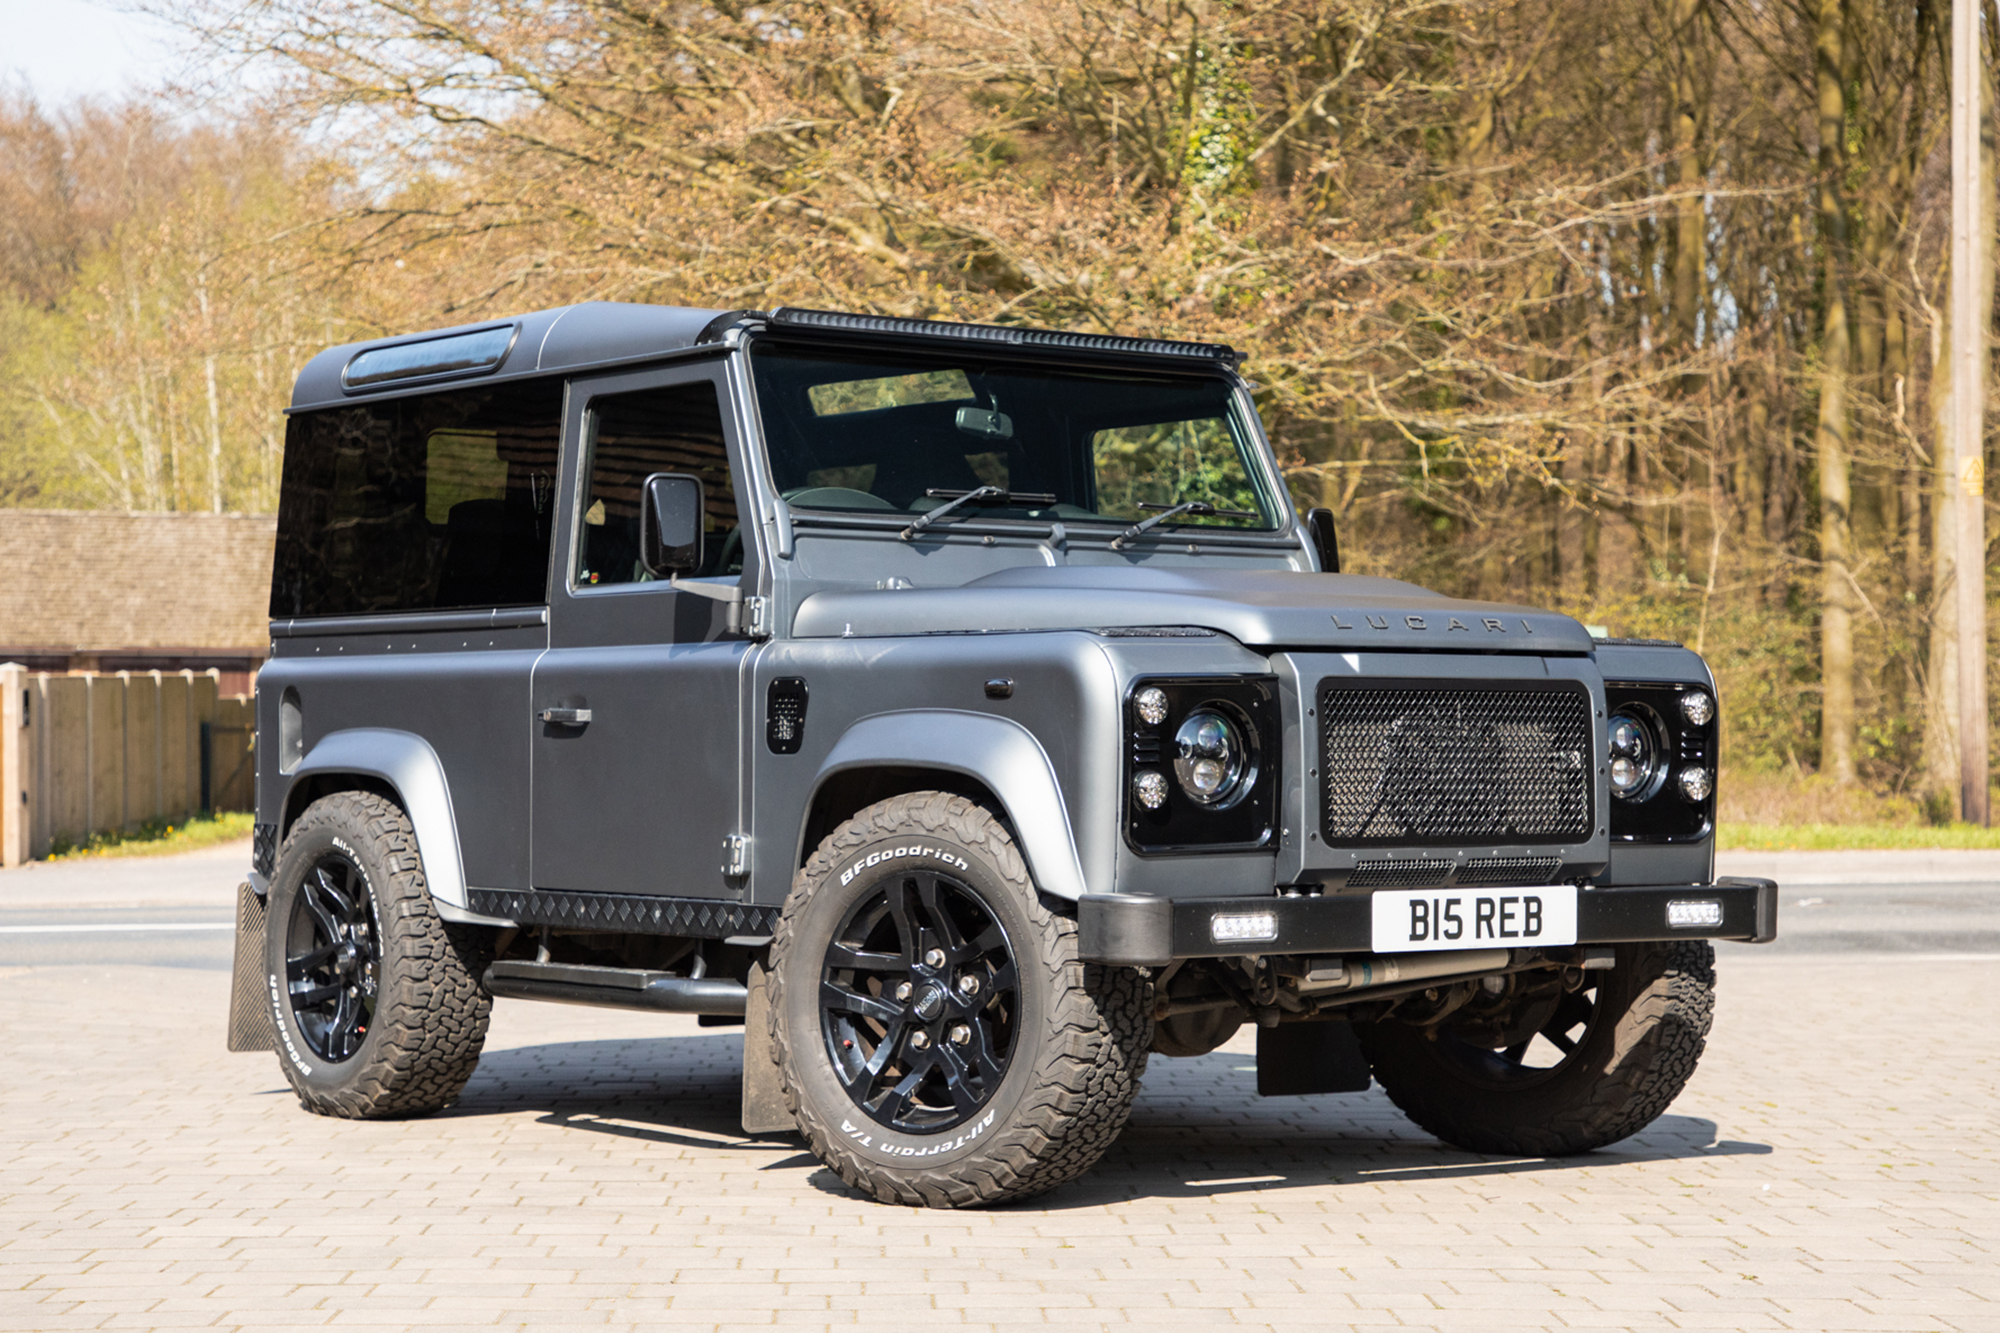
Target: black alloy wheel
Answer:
[[1526, 1043], [919, 1003], [1549, 1064], [333, 958]]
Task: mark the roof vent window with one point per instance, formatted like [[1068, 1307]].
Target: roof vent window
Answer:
[[434, 358]]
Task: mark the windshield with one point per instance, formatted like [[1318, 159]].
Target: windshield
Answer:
[[901, 433]]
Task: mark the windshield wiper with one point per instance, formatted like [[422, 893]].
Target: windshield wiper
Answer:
[[1201, 508], [986, 495]]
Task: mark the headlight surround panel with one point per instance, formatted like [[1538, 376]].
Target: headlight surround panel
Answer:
[[1664, 814], [1245, 818]]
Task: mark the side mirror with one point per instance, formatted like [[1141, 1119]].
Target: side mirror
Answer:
[[670, 524], [1319, 527]]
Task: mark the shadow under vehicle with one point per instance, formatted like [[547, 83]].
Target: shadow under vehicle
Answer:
[[962, 710]]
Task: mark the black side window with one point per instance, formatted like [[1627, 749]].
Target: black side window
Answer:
[[630, 437], [436, 502]]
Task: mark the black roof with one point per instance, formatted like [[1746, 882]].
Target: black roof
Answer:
[[571, 337], [608, 333]]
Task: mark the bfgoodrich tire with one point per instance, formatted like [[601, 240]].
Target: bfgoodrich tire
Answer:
[[939, 1041], [375, 1000], [1615, 1052]]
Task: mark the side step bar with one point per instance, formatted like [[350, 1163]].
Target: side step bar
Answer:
[[617, 987]]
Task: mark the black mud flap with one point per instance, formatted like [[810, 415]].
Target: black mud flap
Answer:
[[249, 1000], [1296, 1058], [764, 1109]]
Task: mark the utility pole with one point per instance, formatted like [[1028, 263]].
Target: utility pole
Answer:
[[1968, 404]]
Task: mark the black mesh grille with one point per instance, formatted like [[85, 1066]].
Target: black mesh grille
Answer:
[[1504, 871], [1400, 871], [1446, 763]]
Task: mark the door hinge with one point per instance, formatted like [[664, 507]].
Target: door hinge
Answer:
[[756, 617], [736, 855], [747, 615]]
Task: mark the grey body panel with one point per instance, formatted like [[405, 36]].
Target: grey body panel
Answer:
[[1000, 753], [638, 800], [1264, 607], [884, 703], [407, 763], [451, 689]]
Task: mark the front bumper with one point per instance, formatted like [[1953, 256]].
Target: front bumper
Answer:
[[1136, 931]]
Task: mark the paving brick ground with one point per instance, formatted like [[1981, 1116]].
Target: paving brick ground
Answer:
[[1834, 1165]]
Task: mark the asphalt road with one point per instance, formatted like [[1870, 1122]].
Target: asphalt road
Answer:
[[178, 911]]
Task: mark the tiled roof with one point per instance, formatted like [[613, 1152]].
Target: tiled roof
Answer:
[[74, 581]]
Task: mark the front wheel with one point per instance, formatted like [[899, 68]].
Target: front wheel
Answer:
[[1546, 1067], [939, 1040]]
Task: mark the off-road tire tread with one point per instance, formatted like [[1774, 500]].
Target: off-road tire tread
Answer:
[[1101, 1018], [424, 1048], [1657, 1042]]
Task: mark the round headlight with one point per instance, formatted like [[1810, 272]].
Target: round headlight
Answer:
[[1696, 784], [1151, 705], [1210, 758], [1635, 757], [1149, 788], [1697, 707]]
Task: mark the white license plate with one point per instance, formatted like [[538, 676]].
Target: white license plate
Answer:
[[1420, 920]]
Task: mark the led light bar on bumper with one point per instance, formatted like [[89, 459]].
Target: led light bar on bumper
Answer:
[[1201, 763]]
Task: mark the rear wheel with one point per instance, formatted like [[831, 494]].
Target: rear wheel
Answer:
[[1547, 1068], [939, 1040], [375, 1000]]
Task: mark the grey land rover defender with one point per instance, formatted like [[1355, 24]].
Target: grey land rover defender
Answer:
[[963, 710]]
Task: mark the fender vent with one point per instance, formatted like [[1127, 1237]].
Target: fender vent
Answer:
[[785, 715]]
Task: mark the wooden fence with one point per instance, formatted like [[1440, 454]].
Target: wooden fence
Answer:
[[86, 754]]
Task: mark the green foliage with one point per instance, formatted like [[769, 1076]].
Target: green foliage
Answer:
[[1217, 161], [1732, 836]]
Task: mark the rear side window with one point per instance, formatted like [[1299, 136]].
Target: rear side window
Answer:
[[432, 503]]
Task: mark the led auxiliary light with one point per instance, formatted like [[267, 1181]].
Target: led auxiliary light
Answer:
[[1149, 788], [1239, 926], [1696, 784], [1697, 707], [1691, 915], [1151, 705]]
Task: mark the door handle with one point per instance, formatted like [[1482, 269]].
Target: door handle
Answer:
[[565, 717]]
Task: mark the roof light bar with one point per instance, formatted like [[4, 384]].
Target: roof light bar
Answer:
[[1004, 335]]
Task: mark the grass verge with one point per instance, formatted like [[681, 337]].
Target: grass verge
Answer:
[[1742, 837], [156, 837]]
